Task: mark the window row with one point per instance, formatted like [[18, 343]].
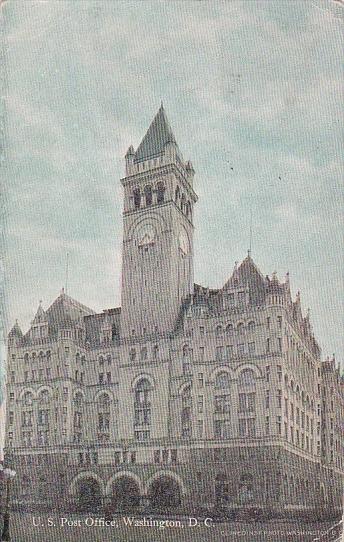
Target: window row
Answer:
[[149, 195]]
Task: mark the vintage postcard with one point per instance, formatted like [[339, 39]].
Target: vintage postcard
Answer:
[[171, 270]]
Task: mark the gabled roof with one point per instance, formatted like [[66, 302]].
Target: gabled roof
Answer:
[[248, 275], [16, 331], [158, 135], [40, 315], [66, 310]]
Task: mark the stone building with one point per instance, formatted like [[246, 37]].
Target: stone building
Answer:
[[182, 395]]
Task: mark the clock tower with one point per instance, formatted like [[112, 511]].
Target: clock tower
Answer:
[[157, 261]]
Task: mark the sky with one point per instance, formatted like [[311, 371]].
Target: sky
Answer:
[[253, 93]]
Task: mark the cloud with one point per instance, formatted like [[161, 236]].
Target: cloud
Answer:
[[253, 86]]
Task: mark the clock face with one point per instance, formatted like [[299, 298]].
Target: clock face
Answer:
[[146, 234], [183, 242]]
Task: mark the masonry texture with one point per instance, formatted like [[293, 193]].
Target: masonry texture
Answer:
[[184, 397]]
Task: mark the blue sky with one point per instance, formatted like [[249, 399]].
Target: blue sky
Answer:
[[253, 86]]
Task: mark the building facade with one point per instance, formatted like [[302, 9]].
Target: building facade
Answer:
[[182, 395]]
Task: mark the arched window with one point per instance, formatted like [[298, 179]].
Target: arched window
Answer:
[[221, 489], [186, 413], [26, 358], [77, 357], [132, 354], [41, 355], [103, 405], [251, 326], [247, 378], [108, 359], [218, 331], [33, 355], [222, 381], [148, 195], [229, 329], [142, 409], [177, 195], [160, 197], [101, 360], [137, 198], [44, 396], [240, 328], [28, 398]]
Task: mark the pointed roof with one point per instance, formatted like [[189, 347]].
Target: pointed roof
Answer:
[[248, 275], [15, 331], [158, 135], [40, 315]]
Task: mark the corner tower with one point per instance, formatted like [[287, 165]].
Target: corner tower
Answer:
[[157, 261]]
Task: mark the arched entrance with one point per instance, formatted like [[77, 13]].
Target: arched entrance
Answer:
[[88, 495], [125, 493], [164, 492]]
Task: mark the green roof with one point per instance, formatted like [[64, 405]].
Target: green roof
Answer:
[[158, 135]]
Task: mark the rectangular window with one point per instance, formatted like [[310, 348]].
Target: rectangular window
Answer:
[[174, 456], [201, 331], [267, 425], [48, 372], [231, 300], [108, 378], [286, 407], [222, 404], [165, 456], [200, 428], [279, 398], [247, 402], [241, 349], [241, 299], [286, 430], [219, 353], [267, 399], [33, 375], [279, 373], [251, 427], [267, 345], [251, 348], [279, 322], [229, 351], [222, 429], [101, 378], [267, 373], [156, 457], [279, 425], [268, 322], [11, 417], [200, 380], [26, 376], [11, 396], [200, 402], [117, 458], [279, 344], [201, 353]]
